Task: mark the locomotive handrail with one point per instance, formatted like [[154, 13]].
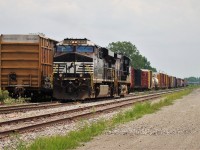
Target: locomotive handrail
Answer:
[[91, 76]]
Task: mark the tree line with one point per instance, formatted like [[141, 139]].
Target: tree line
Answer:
[[193, 79], [130, 50]]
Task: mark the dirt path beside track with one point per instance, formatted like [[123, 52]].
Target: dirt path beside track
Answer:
[[174, 127]]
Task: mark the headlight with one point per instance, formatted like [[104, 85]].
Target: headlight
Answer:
[[60, 75]]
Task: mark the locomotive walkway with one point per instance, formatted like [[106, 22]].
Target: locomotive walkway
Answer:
[[172, 128]]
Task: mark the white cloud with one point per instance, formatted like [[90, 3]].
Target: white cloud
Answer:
[[166, 32]]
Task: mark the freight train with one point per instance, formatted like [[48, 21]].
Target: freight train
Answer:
[[84, 70], [78, 69]]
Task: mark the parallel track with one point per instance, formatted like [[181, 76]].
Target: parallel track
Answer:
[[29, 107], [47, 105], [74, 114]]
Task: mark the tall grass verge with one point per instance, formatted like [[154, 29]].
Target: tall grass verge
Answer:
[[87, 132]]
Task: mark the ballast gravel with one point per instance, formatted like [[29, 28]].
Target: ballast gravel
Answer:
[[11, 142], [18, 115], [59, 129], [174, 127]]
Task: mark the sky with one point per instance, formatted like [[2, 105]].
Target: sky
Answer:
[[167, 32]]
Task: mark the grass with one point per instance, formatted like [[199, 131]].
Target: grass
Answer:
[[5, 99], [11, 101], [75, 138], [3, 95], [70, 141]]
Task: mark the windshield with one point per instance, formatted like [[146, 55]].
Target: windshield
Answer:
[[63, 48], [88, 49], [82, 49]]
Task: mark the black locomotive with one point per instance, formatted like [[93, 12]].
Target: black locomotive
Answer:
[[84, 70]]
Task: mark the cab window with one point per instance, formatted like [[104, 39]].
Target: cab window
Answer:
[[88, 49]]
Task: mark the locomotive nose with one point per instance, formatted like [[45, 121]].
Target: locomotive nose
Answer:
[[70, 89], [72, 86]]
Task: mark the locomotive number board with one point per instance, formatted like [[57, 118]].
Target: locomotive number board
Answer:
[[75, 41]]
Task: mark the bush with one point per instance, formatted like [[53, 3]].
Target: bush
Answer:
[[3, 95]]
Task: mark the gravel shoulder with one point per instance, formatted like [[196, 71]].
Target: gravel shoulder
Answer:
[[173, 127]]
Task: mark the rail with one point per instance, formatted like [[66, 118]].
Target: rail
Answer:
[[74, 114]]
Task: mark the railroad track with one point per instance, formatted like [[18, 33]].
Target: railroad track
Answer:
[[47, 105], [40, 121], [29, 107]]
